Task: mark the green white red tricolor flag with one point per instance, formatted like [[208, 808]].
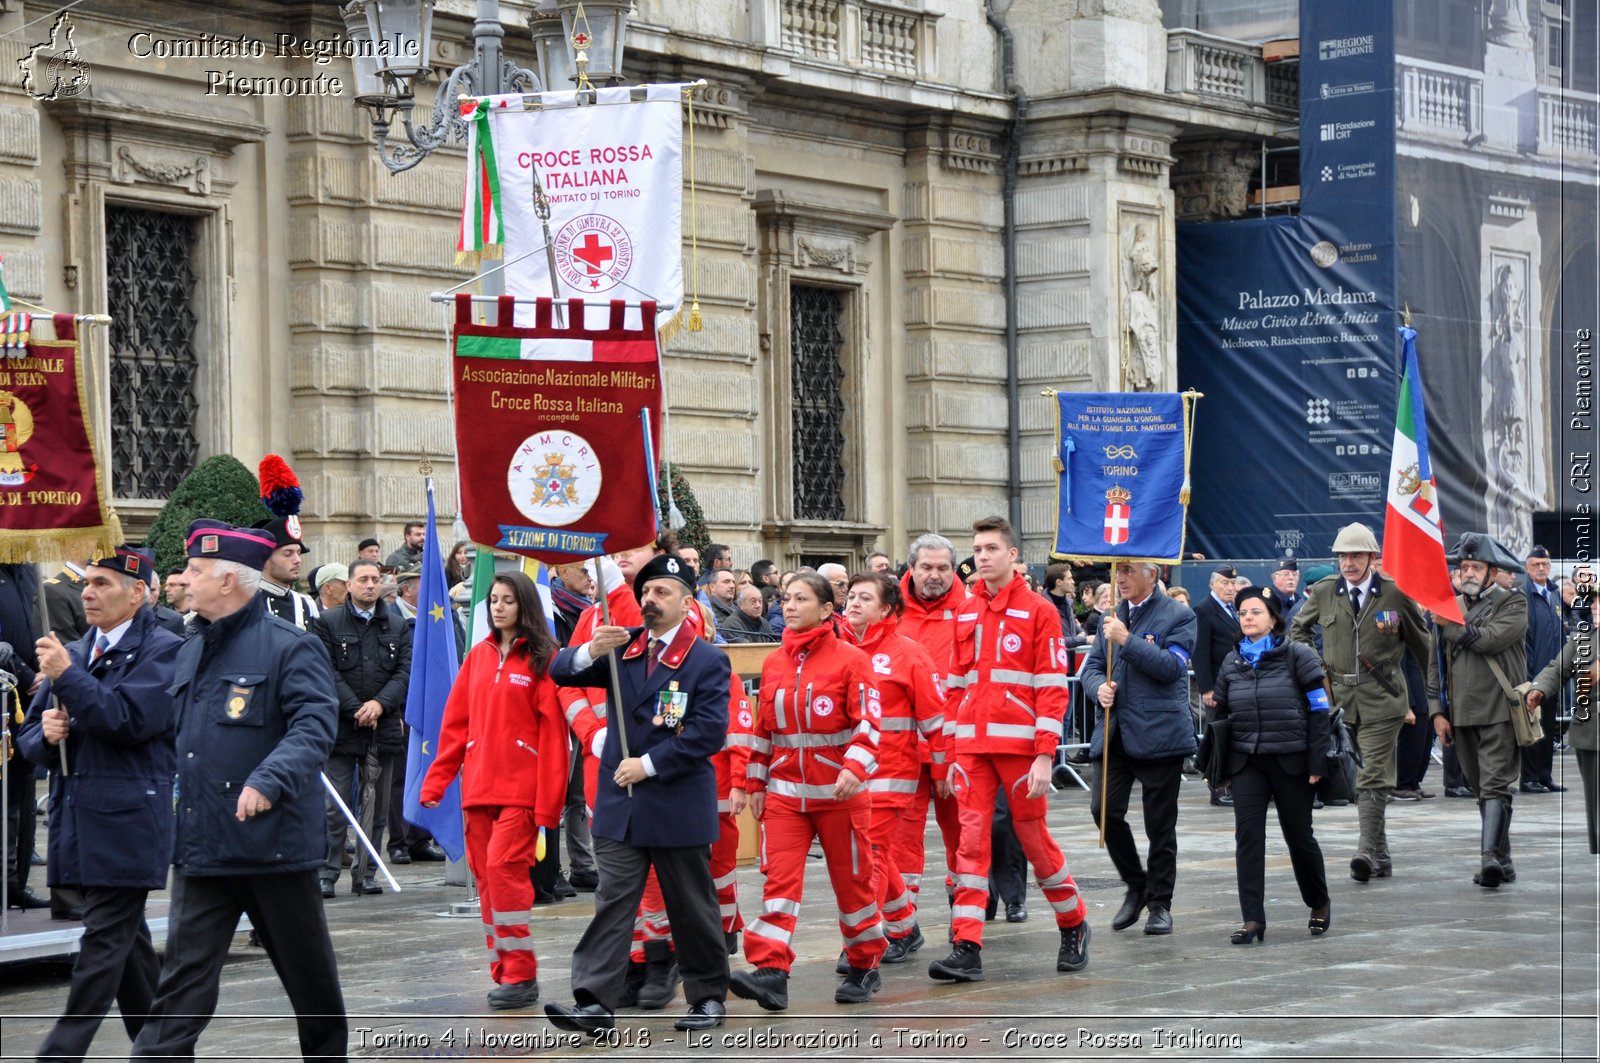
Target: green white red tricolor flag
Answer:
[[1413, 536]]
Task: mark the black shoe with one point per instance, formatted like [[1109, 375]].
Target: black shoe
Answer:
[[580, 1018], [1362, 866], [1074, 953], [1160, 921], [1316, 802], [584, 881], [1128, 914], [1534, 788], [704, 1015], [1222, 797], [1551, 786], [1319, 924], [328, 887], [35, 860], [1400, 793], [26, 900], [1248, 933], [630, 985], [900, 949], [367, 887], [542, 898], [1016, 913], [1459, 791], [399, 856], [964, 964], [514, 995], [767, 986], [991, 907], [841, 966], [730, 938], [254, 940], [858, 986], [67, 914], [661, 976], [428, 852], [563, 889]]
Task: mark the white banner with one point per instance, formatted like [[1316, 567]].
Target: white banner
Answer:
[[612, 172]]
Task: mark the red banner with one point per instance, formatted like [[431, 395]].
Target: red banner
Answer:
[[53, 501], [550, 430]]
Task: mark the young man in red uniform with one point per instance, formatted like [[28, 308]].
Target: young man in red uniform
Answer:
[[1009, 685]]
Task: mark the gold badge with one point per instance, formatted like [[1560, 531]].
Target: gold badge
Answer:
[[238, 702]]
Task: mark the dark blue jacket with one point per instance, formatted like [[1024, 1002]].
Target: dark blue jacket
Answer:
[[1151, 670], [255, 706], [1267, 703], [111, 817], [678, 805], [1545, 631]]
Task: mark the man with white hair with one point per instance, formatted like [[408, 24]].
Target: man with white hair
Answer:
[[838, 578], [254, 702]]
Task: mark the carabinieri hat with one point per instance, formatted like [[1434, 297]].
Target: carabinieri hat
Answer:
[[281, 494], [224, 542], [129, 562], [664, 566]]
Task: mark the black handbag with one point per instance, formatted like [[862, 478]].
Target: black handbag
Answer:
[[1212, 756], [1338, 786]]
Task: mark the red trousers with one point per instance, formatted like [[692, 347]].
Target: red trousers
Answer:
[[651, 924], [786, 835], [500, 848], [908, 842], [984, 773], [895, 900]]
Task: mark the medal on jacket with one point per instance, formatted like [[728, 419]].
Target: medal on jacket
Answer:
[[671, 704], [1388, 621]]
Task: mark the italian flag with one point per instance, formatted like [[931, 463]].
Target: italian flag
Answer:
[[1413, 538], [483, 227]]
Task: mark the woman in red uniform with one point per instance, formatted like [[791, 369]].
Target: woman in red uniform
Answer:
[[503, 731], [904, 699], [812, 748]]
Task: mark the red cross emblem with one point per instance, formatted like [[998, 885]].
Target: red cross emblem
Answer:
[[594, 253]]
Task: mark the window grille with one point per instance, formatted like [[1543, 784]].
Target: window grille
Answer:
[[816, 319], [150, 287]]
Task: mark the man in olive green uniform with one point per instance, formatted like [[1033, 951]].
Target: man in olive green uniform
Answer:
[[1577, 661], [1367, 625], [1483, 659]]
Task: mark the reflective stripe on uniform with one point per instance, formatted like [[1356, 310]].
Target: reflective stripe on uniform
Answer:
[[780, 905], [897, 723], [931, 724], [966, 730], [777, 707], [967, 911], [811, 741], [513, 944], [873, 931], [1067, 906], [868, 729], [1011, 675], [784, 788], [1009, 730], [972, 882], [749, 741], [574, 709], [755, 771], [862, 757], [764, 929], [1046, 723], [1055, 880], [892, 786], [1051, 679], [511, 918], [726, 880], [725, 807], [852, 918]]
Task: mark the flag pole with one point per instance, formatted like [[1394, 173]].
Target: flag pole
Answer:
[[611, 661], [1105, 738]]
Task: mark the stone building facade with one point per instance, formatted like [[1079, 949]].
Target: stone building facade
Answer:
[[270, 277]]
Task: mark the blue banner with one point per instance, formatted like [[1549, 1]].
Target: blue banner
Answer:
[[1123, 478], [1293, 341]]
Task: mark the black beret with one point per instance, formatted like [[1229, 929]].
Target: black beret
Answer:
[[1539, 551], [664, 566], [220, 540], [966, 568], [1268, 598], [1226, 570], [1287, 564], [285, 531], [366, 543], [128, 561]]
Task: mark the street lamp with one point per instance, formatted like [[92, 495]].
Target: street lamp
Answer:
[[392, 41], [595, 29]]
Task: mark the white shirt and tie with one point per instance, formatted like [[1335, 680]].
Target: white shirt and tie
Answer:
[[106, 641], [657, 645]]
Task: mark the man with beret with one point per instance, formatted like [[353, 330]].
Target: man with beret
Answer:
[[1484, 659], [1366, 626], [105, 701], [369, 550], [656, 806], [1216, 633], [1545, 636], [256, 717], [282, 572], [1286, 586]]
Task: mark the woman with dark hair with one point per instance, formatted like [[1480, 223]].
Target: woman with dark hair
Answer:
[[458, 563], [811, 749], [1270, 689], [503, 731], [904, 700]]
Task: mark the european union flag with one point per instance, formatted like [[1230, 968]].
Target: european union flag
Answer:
[[1124, 484], [433, 671]]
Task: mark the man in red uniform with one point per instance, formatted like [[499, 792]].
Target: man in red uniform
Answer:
[[1009, 684], [933, 596]]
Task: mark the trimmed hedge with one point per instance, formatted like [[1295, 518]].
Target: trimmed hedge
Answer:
[[692, 530], [219, 488]]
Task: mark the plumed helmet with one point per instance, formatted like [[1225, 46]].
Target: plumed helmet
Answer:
[[1355, 538]]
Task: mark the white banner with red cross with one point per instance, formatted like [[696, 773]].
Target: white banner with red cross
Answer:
[[610, 172]]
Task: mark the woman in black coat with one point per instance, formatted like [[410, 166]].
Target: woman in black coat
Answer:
[[1271, 690]]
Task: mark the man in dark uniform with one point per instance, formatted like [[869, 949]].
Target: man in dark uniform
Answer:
[[19, 586], [1215, 635], [64, 603], [1546, 633], [1484, 660], [282, 572], [111, 814], [255, 709], [658, 806], [1286, 588]]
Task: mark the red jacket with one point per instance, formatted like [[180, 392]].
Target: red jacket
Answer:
[[730, 762], [585, 707], [503, 732], [907, 702], [932, 625], [812, 721], [1010, 673]]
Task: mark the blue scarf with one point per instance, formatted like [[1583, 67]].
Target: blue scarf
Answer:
[[1252, 649]]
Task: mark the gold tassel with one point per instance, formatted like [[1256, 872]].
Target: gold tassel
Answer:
[[1056, 464], [696, 319]]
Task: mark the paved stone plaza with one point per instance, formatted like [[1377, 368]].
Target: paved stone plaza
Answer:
[[1400, 976]]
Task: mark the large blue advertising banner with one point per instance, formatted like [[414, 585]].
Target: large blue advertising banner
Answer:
[[1293, 343]]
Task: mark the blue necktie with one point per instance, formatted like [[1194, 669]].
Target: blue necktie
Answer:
[[101, 645]]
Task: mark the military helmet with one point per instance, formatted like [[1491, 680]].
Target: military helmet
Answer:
[[1355, 538]]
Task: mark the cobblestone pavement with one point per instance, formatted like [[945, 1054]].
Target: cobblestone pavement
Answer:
[[1422, 966]]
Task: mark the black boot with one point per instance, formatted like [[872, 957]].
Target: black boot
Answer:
[[964, 964], [1508, 871], [661, 976], [767, 986], [1491, 872], [630, 985]]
